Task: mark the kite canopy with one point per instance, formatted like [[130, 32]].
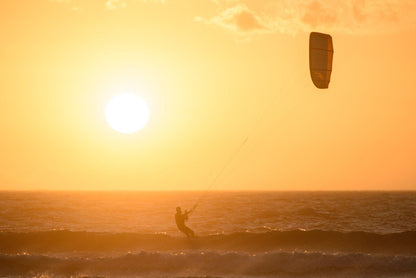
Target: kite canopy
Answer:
[[321, 52]]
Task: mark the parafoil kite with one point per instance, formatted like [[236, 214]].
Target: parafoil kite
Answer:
[[321, 53]]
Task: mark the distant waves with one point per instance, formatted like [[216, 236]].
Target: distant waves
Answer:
[[316, 240]]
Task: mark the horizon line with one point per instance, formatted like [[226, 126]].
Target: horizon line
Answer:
[[207, 191]]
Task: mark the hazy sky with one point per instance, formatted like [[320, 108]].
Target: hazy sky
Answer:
[[213, 74]]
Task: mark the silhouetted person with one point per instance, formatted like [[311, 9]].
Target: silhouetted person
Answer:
[[180, 219]]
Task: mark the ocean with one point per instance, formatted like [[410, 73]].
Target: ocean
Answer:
[[238, 234]]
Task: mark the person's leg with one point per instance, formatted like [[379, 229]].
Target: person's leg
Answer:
[[183, 230], [189, 232]]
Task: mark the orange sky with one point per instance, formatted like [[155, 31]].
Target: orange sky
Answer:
[[213, 73]]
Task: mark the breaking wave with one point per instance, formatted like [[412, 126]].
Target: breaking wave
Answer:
[[316, 240], [284, 264]]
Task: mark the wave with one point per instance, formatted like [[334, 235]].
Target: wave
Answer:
[[315, 240], [283, 264]]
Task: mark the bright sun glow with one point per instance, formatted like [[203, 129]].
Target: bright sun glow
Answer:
[[127, 113]]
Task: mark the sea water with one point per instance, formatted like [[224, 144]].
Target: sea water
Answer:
[[239, 234]]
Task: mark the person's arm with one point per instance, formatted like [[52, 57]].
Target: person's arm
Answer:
[[191, 210]]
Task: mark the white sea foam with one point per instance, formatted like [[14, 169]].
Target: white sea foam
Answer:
[[234, 264]]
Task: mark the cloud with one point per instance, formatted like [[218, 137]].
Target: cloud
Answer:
[[240, 19], [316, 14], [108, 4], [292, 16], [117, 4], [358, 10]]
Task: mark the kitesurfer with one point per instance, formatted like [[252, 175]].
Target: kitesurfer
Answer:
[[180, 219]]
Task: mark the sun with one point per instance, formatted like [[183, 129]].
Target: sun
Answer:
[[127, 113]]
